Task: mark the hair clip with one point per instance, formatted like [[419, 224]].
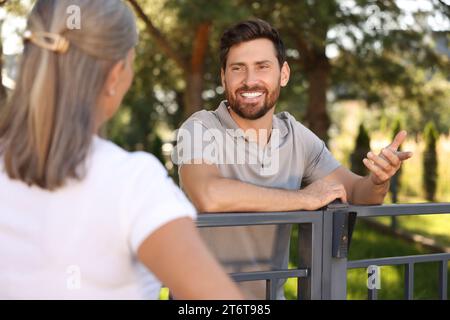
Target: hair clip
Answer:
[[50, 41]]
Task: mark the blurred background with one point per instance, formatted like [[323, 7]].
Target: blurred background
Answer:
[[361, 70]]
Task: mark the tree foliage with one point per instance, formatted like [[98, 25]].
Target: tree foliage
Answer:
[[362, 147], [430, 163]]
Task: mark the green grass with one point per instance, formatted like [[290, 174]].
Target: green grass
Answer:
[[366, 244], [164, 294], [436, 226]]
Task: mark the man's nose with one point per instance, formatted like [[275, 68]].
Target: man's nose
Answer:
[[251, 78]]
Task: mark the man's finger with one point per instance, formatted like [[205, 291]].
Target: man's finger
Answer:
[[391, 156], [380, 174], [341, 194], [404, 155], [395, 157], [379, 161], [398, 140]]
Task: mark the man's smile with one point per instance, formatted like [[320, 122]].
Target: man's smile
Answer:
[[251, 96]]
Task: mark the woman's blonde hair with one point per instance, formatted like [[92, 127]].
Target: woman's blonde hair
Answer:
[[46, 127]]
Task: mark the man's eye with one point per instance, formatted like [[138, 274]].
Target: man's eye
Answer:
[[264, 66], [236, 68]]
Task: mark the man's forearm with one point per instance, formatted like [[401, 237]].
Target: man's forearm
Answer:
[[365, 192], [228, 195]]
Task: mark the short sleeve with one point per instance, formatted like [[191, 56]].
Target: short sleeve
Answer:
[[151, 200], [319, 162], [196, 144]]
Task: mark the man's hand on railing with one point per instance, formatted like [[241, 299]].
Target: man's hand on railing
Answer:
[[322, 192]]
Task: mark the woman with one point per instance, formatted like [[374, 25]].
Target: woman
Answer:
[[80, 217]]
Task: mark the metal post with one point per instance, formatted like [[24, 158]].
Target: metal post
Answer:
[[372, 294], [304, 260], [310, 256], [334, 270], [443, 280], [271, 288], [409, 281]]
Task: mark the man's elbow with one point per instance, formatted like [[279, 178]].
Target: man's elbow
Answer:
[[205, 205], [207, 201]]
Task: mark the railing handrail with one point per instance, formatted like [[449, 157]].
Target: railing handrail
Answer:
[[399, 260], [225, 219], [256, 218], [401, 209]]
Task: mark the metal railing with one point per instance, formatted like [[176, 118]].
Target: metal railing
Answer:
[[324, 238]]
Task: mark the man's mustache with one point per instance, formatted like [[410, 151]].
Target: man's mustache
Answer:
[[255, 88]]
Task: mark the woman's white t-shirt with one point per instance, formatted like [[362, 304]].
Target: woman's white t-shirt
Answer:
[[81, 241]]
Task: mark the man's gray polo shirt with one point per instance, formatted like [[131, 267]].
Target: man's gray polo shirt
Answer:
[[294, 157]]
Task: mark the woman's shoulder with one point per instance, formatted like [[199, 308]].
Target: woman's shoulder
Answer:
[[108, 155]]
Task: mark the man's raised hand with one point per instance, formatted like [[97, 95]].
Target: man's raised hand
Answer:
[[383, 166]]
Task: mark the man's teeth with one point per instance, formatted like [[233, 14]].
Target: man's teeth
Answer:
[[251, 94]]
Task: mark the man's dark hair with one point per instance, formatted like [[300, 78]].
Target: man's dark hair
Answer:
[[250, 30]]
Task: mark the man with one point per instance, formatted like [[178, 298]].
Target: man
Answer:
[[242, 157]]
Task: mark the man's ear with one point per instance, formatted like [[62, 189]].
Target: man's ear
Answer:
[[113, 78], [285, 74]]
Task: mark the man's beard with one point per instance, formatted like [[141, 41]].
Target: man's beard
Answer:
[[251, 111]]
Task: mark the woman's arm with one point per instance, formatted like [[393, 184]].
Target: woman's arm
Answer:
[[176, 255]]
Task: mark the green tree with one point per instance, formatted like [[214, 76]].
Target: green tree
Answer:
[[395, 180], [430, 161], [186, 41], [395, 185], [14, 8], [362, 147]]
